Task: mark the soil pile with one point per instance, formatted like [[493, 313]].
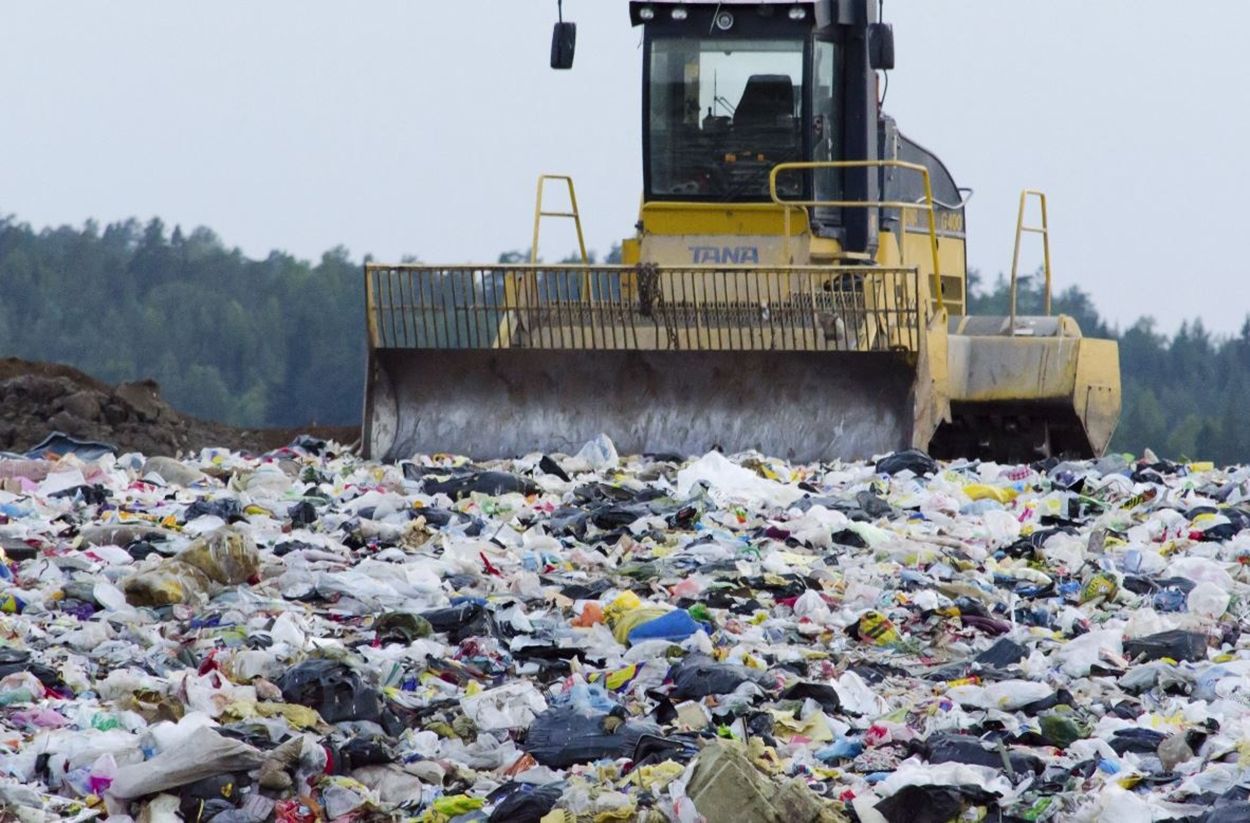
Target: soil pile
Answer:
[[39, 398]]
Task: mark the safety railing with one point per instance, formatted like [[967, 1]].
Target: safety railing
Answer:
[[927, 205], [644, 308], [1021, 230]]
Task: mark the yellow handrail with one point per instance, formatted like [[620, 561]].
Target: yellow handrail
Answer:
[[1044, 231], [529, 284], [539, 214], [927, 205]]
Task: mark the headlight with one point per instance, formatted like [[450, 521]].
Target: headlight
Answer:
[[646, 13], [724, 21], [798, 13], [679, 13]]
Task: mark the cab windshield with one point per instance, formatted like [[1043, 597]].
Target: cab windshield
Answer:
[[722, 113]]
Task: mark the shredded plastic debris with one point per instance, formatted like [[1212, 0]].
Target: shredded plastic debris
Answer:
[[307, 636]]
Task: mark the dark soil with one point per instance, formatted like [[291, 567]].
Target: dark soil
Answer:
[[39, 398]]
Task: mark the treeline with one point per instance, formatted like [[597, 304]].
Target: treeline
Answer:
[[280, 341]]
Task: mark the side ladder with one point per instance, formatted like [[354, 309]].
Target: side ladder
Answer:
[[1021, 229], [572, 214]]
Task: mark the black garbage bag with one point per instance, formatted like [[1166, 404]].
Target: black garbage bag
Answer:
[[568, 521], [461, 621], [95, 495], [875, 673], [287, 546], [228, 509], [699, 676], [552, 661], [1002, 654], [139, 549], [963, 748], [652, 750], [932, 804], [492, 483], [548, 465], [618, 516], [303, 514], [822, 693], [562, 737], [524, 802], [333, 689], [15, 660], [308, 443], [586, 591], [1176, 644], [359, 752], [1138, 741], [913, 460], [210, 796]]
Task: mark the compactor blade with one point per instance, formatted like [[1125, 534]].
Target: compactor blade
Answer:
[[496, 403], [802, 363]]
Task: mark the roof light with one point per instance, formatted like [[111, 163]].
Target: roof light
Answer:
[[798, 13], [646, 13], [724, 21], [679, 13]]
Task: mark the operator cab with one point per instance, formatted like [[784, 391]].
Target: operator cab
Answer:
[[730, 91]]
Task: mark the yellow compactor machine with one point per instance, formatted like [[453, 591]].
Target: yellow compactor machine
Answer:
[[797, 283]]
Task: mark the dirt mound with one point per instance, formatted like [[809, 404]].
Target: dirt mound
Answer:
[[39, 398]]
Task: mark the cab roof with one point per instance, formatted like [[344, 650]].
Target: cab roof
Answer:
[[636, 5]]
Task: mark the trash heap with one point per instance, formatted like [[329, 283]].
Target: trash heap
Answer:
[[306, 636]]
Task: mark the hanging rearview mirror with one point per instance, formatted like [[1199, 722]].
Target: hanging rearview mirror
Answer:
[[563, 44], [881, 46]]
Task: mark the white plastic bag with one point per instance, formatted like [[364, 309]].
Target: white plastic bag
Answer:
[[734, 481], [203, 754]]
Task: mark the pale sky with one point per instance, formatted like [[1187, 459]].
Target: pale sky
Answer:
[[413, 127]]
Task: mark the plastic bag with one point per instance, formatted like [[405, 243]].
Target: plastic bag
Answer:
[[1176, 644], [700, 676], [489, 483], [333, 689], [225, 557], [598, 454], [511, 706], [961, 748], [172, 472], [734, 481], [204, 753], [401, 627], [912, 460], [1002, 654], [525, 803], [932, 804], [562, 737]]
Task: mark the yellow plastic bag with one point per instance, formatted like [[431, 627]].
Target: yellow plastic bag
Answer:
[[635, 618], [225, 557], [980, 491]]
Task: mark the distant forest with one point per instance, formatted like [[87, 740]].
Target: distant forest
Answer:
[[280, 341]]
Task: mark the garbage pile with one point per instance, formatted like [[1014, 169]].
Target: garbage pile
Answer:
[[305, 636]]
